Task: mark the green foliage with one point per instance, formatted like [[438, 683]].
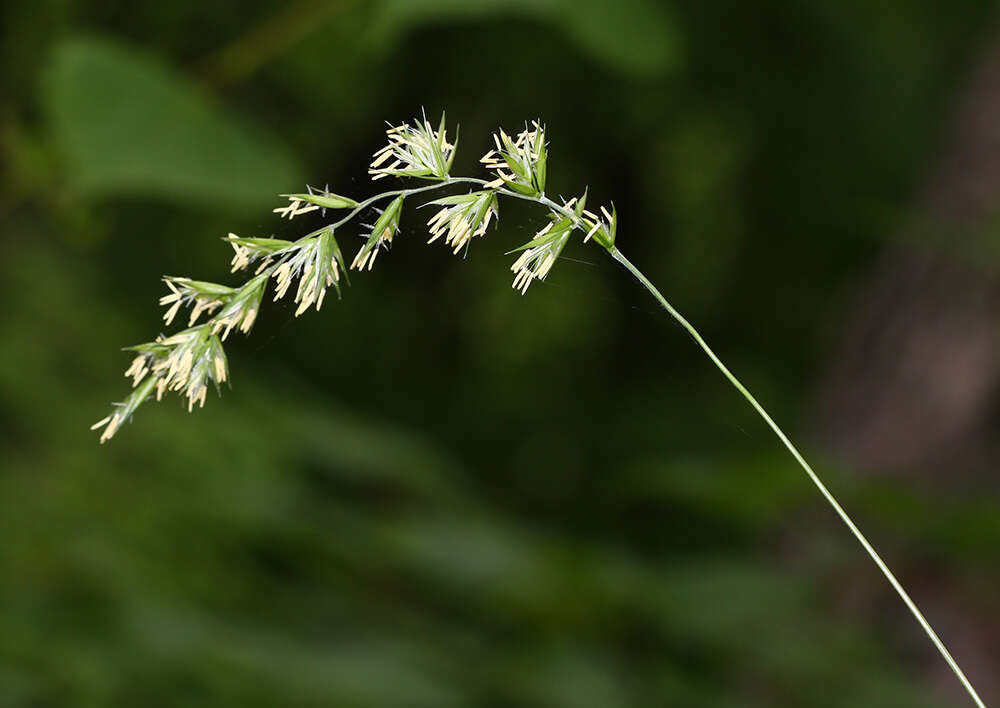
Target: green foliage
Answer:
[[128, 124]]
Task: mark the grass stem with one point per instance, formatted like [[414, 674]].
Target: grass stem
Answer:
[[617, 255]]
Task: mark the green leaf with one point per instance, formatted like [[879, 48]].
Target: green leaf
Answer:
[[634, 36], [128, 124]]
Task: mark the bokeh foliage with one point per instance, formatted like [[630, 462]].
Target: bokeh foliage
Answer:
[[436, 492]]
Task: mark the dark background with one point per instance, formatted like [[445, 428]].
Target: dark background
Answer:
[[436, 492]]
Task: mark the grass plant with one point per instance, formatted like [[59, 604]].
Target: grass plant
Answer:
[[190, 360]]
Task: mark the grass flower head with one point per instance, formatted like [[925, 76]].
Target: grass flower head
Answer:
[[415, 151], [462, 217], [519, 163], [189, 361]]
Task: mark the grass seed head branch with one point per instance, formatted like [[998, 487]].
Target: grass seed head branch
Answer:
[[193, 358]]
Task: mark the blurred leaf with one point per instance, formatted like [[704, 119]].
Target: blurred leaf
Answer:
[[637, 36], [571, 676], [634, 36], [128, 124]]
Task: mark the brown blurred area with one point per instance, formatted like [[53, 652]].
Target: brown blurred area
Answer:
[[910, 388]]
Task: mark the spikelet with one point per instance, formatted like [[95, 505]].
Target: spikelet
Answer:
[[519, 163], [187, 361], [540, 253], [415, 151], [317, 262], [462, 217], [386, 226]]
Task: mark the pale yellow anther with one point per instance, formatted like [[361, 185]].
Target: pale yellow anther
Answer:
[[385, 155], [102, 421], [169, 315]]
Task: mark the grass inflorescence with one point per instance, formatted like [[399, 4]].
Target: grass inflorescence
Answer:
[[188, 361]]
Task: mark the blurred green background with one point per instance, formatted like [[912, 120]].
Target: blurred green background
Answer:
[[436, 492]]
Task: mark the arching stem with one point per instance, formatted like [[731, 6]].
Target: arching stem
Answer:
[[617, 255]]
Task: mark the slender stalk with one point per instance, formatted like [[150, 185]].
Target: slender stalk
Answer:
[[617, 255], [369, 202], [394, 193], [418, 151]]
